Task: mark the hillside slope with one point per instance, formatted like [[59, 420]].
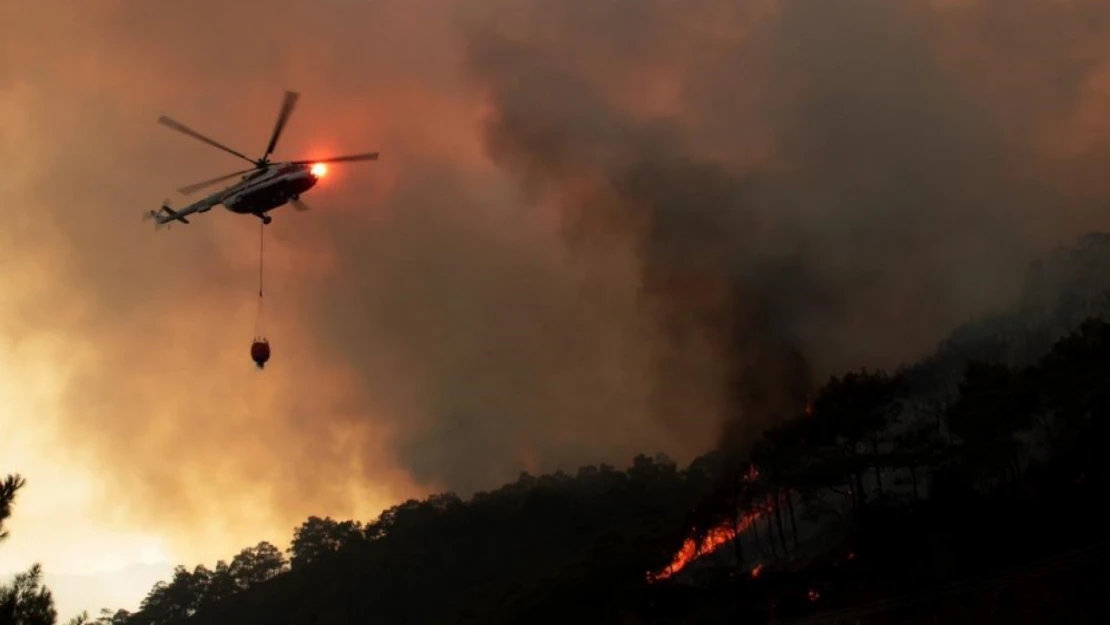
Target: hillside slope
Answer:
[[1011, 471]]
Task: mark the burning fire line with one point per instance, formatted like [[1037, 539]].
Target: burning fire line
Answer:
[[692, 548]]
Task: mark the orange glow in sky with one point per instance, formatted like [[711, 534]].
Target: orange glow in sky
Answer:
[[432, 325]]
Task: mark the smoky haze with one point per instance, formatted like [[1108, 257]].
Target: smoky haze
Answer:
[[889, 201], [588, 217]]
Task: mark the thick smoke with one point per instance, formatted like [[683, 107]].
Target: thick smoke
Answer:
[[889, 206], [598, 228]]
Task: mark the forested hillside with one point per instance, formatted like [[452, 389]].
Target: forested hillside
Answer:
[[979, 504], [1060, 292]]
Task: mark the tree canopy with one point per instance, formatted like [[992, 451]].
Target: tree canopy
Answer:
[[967, 487], [24, 601], [865, 493]]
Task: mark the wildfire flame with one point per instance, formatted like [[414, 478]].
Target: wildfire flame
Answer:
[[692, 549]]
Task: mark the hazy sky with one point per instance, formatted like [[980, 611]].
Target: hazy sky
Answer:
[[863, 175]]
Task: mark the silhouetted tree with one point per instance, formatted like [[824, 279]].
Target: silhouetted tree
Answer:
[[9, 487], [25, 601], [257, 564], [317, 537], [117, 617], [221, 585], [993, 405], [1075, 397]]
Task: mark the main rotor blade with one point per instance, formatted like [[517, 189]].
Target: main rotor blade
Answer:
[[298, 205], [207, 183], [286, 110], [369, 156], [178, 126]]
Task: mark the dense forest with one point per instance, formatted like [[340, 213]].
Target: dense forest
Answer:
[[966, 486]]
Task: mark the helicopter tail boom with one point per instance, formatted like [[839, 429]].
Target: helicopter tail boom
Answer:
[[164, 216], [174, 215]]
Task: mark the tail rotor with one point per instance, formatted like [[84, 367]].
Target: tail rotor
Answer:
[[156, 215]]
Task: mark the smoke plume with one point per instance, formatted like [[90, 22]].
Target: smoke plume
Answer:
[[598, 228]]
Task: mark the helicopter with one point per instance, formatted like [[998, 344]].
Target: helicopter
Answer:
[[262, 188]]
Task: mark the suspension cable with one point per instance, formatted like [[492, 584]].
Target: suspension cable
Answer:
[[261, 257], [261, 243]]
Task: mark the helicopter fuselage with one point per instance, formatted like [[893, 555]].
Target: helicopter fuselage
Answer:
[[262, 192], [262, 188]]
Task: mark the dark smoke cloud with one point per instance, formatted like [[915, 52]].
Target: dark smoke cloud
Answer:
[[598, 228], [884, 215]]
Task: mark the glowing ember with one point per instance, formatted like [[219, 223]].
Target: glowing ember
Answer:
[[814, 595], [757, 570]]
